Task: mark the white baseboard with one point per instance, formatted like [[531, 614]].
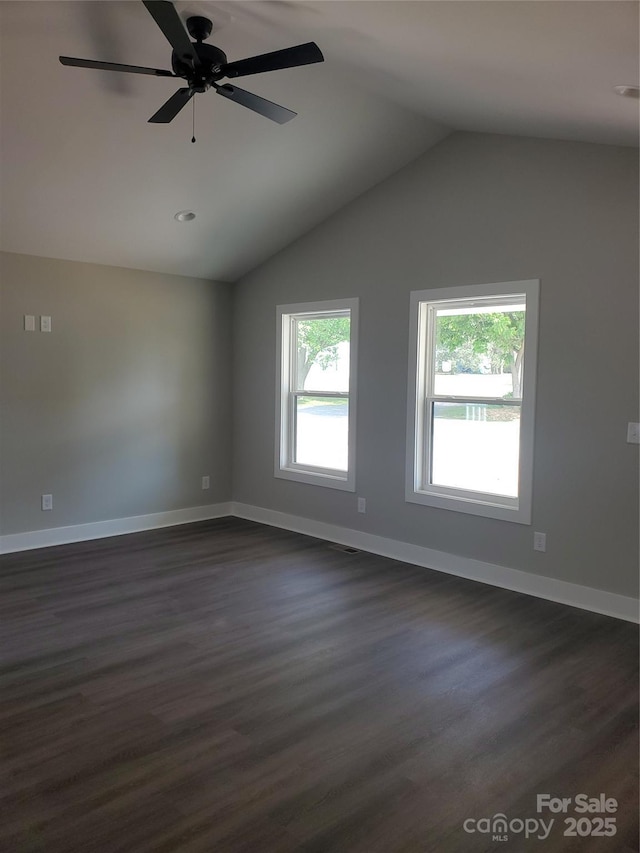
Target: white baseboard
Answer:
[[114, 527], [575, 595]]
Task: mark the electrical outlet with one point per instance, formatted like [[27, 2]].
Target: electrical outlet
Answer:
[[45, 324], [47, 502], [206, 482], [29, 323], [633, 433], [539, 541], [362, 504]]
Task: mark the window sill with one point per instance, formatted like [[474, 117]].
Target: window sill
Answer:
[[344, 483], [519, 515]]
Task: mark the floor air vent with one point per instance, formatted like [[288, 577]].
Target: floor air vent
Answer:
[[346, 549]]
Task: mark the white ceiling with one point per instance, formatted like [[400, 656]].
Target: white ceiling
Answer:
[[85, 177]]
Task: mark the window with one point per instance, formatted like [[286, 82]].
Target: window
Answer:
[[471, 399], [315, 407]]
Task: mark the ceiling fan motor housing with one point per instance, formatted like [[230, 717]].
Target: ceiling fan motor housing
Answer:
[[211, 60]]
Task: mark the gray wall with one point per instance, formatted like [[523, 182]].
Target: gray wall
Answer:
[[476, 208], [121, 409]]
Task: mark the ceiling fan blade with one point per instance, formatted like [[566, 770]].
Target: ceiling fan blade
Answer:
[[290, 57], [169, 110], [114, 66], [166, 17], [256, 103]]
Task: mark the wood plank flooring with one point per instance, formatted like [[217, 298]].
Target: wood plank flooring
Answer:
[[226, 687]]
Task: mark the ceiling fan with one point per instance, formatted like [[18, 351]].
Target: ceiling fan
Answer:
[[203, 65]]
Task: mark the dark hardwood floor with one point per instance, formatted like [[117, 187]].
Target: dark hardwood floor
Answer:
[[225, 687]]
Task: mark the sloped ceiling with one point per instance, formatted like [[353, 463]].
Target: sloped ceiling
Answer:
[[85, 177]]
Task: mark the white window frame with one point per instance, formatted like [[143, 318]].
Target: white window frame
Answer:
[[286, 394], [418, 489]]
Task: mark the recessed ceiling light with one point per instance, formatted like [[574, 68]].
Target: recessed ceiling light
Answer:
[[185, 215], [627, 91]]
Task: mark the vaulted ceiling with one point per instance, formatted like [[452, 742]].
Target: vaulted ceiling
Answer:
[[85, 177]]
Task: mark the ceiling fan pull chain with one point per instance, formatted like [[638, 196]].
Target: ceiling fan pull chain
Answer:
[[193, 126]]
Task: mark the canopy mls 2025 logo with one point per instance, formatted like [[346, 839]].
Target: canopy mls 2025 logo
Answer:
[[594, 819]]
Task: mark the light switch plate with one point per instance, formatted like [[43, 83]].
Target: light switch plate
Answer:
[[29, 323], [633, 433]]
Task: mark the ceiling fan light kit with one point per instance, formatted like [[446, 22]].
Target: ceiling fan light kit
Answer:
[[203, 66]]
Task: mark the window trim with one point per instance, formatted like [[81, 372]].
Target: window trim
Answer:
[[284, 467], [475, 503]]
